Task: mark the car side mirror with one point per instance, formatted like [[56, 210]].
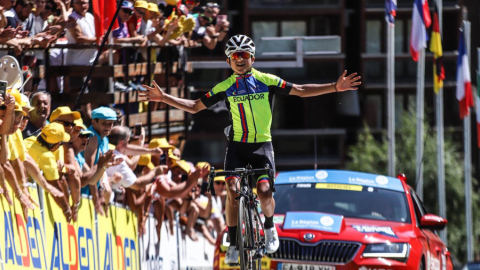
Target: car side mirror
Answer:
[[434, 222]]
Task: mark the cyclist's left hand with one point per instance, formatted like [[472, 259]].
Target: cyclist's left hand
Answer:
[[154, 93], [349, 82]]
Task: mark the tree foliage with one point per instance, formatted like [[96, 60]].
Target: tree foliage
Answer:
[[371, 155]]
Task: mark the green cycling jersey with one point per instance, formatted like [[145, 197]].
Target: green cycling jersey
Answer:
[[249, 99]]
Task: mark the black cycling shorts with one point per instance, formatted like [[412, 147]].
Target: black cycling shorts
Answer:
[[239, 155]]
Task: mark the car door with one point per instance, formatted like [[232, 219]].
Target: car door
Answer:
[[435, 257]]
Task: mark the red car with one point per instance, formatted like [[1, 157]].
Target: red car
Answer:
[[336, 220]]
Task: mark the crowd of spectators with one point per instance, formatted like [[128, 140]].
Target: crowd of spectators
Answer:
[[72, 153], [106, 161], [29, 26]]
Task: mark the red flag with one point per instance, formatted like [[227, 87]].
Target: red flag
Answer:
[[103, 12]]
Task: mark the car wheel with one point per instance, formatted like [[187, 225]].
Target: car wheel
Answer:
[[420, 266]]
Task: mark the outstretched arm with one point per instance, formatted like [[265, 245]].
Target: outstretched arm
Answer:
[[344, 83], [155, 93]]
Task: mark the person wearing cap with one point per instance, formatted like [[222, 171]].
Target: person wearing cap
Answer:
[[49, 140], [180, 173], [136, 24], [40, 101], [218, 202], [155, 27], [121, 34], [31, 167], [89, 177]]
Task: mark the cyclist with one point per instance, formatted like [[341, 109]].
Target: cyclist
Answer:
[[248, 94]]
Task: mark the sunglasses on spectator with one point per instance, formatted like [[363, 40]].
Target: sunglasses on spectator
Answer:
[[3, 107], [128, 11], [208, 19], [67, 124], [237, 55], [81, 3], [84, 136], [219, 183], [140, 12]]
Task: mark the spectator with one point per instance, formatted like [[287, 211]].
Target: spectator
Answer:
[[64, 116], [204, 31], [17, 15], [30, 166], [121, 35], [81, 30], [180, 173], [165, 146], [137, 23], [102, 123], [40, 102], [119, 136], [193, 6], [49, 140], [218, 202]]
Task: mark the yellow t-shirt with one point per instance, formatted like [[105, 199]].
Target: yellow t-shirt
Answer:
[[17, 139], [12, 149], [29, 141], [46, 161]]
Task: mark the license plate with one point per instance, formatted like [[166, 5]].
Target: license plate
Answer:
[[295, 266]]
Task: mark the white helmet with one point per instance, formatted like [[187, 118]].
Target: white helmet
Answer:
[[240, 43]]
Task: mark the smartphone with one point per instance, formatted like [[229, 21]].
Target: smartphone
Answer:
[[137, 129], [221, 19], [3, 89], [163, 159]]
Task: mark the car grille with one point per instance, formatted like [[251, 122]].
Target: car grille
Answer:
[[324, 251]]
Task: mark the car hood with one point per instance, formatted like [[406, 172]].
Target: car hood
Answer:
[[349, 229]]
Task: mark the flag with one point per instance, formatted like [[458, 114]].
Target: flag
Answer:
[[464, 86], [420, 22], [436, 49], [103, 12], [390, 10], [477, 109]]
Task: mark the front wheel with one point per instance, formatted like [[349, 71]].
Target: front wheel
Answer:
[[244, 234]]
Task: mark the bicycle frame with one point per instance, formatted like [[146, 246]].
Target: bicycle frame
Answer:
[[249, 242]]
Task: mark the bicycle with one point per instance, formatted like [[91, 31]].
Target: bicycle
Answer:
[[250, 243]]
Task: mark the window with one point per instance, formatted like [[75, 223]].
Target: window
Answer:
[[373, 111], [293, 28], [264, 29], [374, 43]]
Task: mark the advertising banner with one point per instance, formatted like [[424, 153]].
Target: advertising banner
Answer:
[[22, 239]]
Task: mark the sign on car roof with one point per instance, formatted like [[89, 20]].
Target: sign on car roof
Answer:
[[339, 177]]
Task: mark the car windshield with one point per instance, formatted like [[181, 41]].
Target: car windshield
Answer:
[[345, 200]]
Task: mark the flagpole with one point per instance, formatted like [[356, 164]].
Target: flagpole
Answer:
[[468, 160], [420, 113], [391, 96], [440, 143]]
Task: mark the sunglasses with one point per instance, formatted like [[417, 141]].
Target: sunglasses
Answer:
[[219, 183], [3, 107], [208, 19], [128, 11], [84, 136], [140, 12], [67, 124], [237, 55]]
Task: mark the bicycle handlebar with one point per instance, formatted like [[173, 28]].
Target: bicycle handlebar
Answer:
[[241, 172]]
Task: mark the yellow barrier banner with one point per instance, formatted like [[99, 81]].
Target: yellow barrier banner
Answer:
[[118, 242], [22, 239], [70, 245]]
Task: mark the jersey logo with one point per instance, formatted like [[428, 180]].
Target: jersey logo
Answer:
[[248, 97]]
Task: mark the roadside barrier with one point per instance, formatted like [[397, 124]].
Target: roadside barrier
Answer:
[[46, 241]]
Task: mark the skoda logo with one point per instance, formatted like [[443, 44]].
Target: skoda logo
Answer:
[[308, 236]]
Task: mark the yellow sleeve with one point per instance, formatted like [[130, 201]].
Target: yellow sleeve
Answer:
[[48, 165], [11, 148]]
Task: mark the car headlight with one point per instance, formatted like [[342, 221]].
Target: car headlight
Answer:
[[395, 251]]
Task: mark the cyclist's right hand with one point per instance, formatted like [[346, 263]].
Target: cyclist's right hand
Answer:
[[154, 93]]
